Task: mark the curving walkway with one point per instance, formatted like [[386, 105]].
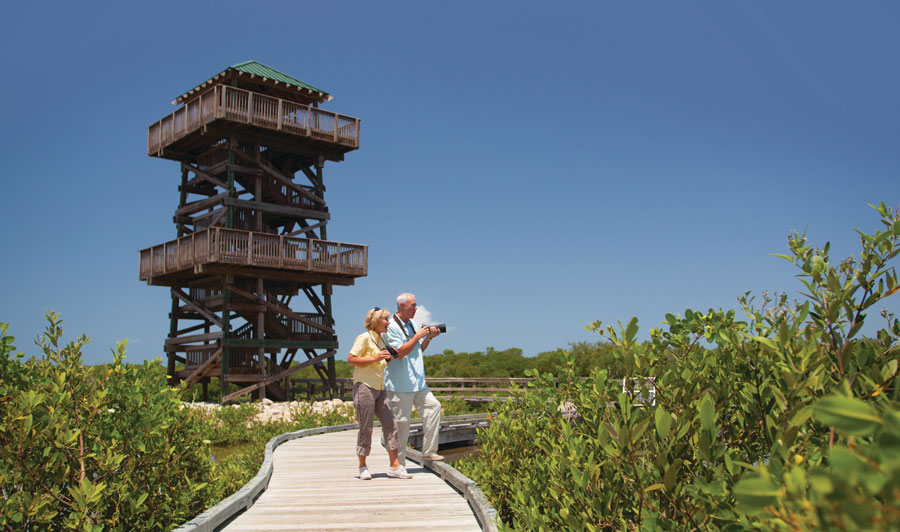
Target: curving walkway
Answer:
[[314, 487]]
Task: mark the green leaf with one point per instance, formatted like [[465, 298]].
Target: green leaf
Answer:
[[801, 416], [663, 422], [672, 474], [765, 341], [631, 330], [707, 414], [755, 493], [847, 415], [653, 487]]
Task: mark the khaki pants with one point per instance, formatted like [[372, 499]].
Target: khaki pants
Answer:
[[369, 403], [428, 408]]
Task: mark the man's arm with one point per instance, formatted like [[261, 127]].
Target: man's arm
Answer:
[[397, 340], [434, 331]]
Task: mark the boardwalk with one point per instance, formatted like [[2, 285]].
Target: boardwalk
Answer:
[[314, 487]]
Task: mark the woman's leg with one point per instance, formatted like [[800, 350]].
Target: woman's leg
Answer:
[[364, 402]]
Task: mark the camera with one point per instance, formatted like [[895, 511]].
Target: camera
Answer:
[[439, 326]]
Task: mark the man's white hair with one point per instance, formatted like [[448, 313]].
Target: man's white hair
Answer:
[[403, 299]]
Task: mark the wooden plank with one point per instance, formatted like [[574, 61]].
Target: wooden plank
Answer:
[[276, 209], [277, 376], [308, 230], [200, 174], [282, 344], [282, 178], [185, 348], [308, 471], [197, 306], [300, 276], [200, 205], [472, 391], [198, 373], [282, 310], [195, 338]]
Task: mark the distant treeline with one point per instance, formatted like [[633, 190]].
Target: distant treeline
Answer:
[[507, 363]]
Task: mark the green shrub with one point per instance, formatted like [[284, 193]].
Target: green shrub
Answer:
[[786, 420], [104, 448]]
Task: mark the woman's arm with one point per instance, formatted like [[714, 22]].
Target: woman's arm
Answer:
[[354, 360]]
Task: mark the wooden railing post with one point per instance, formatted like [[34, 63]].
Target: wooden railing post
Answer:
[[280, 113], [249, 107], [335, 125]]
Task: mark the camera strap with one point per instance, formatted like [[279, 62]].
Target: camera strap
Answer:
[[403, 328]]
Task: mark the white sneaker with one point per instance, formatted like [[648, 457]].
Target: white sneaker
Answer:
[[364, 473], [400, 472]]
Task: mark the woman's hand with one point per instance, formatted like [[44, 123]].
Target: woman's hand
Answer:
[[384, 354]]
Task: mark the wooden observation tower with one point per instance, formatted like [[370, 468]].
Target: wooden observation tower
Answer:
[[252, 240]]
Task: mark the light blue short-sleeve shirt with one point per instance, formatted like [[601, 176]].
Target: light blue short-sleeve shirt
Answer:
[[405, 374]]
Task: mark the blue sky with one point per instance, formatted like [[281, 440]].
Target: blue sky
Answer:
[[525, 168]]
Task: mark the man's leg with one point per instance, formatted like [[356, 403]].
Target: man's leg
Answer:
[[430, 410], [401, 406]]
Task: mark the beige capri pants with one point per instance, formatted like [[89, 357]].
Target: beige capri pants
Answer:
[[370, 403]]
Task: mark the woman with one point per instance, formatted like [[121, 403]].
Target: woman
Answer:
[[369, 357]]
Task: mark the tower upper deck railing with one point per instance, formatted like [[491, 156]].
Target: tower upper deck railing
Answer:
[[221, 102]]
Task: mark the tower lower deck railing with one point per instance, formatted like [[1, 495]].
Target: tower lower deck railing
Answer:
[[249, 248], [238, 105]]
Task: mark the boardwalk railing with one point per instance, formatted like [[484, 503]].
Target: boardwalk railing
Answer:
[[472, 390], [246, 107], [475, 389], [235, 246]]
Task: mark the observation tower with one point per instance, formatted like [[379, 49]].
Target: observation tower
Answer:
[[251, 270]]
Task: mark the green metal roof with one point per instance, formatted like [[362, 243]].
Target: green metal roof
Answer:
[[258, 69]]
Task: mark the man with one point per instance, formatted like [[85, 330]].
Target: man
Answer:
[[404, 378]]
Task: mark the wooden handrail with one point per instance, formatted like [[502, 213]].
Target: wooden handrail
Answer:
[[247, 107], [239, 247]]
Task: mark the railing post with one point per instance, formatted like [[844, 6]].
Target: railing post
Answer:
[[250, 248], [335, 124], [280, 247], [249, 107], [280, 112]]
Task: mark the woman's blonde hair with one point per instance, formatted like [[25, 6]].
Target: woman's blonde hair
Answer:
[[374, 315]]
